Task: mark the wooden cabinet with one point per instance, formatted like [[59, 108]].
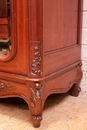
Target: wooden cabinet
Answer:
[[45, 52]]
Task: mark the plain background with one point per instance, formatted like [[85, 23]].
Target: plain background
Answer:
[[84, 47]]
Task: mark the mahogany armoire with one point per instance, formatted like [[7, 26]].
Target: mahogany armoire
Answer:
[[40, 50]]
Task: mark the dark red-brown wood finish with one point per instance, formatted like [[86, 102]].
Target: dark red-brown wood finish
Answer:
[[46, 52]]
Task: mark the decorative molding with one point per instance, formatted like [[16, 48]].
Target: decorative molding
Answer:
[[4, 87], [36, 63]]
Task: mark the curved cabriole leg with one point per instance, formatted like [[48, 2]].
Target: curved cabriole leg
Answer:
[[36, 103], [74, 91]]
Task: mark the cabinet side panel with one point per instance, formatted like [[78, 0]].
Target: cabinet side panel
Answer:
[[60, 22]]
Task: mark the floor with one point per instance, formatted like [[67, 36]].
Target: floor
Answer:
[[61, 112]]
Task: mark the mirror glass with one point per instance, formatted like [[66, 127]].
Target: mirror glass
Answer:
[[5, 24]]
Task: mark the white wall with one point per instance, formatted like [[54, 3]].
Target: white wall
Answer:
[[84, 47]]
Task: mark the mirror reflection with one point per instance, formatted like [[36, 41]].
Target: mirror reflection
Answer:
[[5, 23]]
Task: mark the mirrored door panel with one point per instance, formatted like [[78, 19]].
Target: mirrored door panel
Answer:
[[5, 31], [14, 36]]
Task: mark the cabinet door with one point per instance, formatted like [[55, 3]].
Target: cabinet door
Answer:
[[13, 36]]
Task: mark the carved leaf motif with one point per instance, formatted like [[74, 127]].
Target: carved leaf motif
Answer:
[[36, 94]]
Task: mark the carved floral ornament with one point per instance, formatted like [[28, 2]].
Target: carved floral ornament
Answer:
[[4, 87], [36, 63]]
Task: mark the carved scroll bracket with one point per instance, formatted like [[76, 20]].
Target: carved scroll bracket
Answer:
[[36, 63]]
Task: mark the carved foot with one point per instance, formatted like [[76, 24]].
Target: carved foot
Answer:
[[36, 121], [74, 91]]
